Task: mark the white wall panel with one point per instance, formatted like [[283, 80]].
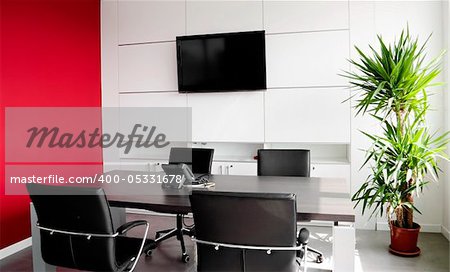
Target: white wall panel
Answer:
[[147, 21], [307, 115], [216, 16], [148, 67], [167, 99], [294, 16], [307, 59], [109, 70], [227, 117], [362, 33], [446, 209], [167, 111]]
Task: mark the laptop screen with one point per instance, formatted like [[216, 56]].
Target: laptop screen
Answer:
[[198, 159]]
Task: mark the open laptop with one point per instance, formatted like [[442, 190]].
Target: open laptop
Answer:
[[199, 160]]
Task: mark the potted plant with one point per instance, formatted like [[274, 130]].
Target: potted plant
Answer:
[[392, 88]]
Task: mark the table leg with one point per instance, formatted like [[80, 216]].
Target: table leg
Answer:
[[38, 263], [344, 242]]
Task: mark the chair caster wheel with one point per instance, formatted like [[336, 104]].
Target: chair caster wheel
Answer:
[[185, 258], [319, 259], [148, 253]]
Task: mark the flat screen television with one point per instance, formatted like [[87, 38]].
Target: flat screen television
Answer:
[[222, 62]]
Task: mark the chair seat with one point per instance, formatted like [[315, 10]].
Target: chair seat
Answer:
[[128, 247]]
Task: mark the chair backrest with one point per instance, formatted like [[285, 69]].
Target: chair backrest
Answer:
[[198, 159], [79, 210], [284, 162], [250, 219]]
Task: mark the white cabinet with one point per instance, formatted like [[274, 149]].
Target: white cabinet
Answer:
[[295, 16], [309, 115], [150, 21], [142, 165], [234, 168], [219, 168], [307, 59], [331, 171], [251, 169], [227, 117], [204, 17], [148, 67]]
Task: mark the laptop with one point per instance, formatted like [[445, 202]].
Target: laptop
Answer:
[[201, 156]]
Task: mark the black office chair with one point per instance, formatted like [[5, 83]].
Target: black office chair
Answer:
[[286, 162], [200, 162], [246, 231], [77, 232]]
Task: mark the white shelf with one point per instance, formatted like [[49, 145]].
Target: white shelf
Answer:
[[342, 161], [330, 161], [234, 159]]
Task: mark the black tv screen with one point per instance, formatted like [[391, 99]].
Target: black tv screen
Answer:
[[222, 62]]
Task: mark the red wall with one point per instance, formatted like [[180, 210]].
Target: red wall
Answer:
[[50, 56]]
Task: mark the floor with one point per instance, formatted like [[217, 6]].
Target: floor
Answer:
[[371, 252]]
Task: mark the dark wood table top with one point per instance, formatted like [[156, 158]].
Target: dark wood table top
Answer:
[[324, 199]]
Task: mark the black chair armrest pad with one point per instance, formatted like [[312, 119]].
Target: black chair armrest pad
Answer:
[[129, 225], [303, 237]]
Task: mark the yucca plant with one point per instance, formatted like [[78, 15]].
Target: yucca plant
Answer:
[[391, 86]]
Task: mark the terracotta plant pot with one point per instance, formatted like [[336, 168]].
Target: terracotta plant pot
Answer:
[[404, 241]]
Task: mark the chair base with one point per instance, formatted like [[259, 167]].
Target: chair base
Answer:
[[319, 258], [179, 231]]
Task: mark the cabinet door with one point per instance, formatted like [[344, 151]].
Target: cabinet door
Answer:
[[331, 171], [242, 169], [227, 117], [234, 168], [218, 168], [316, 115], [142, 165]]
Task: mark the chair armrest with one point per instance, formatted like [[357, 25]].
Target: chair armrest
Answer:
[[303, 237], [129, 225], [302, 240]]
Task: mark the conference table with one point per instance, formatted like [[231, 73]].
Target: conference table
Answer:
[[321, 199]]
